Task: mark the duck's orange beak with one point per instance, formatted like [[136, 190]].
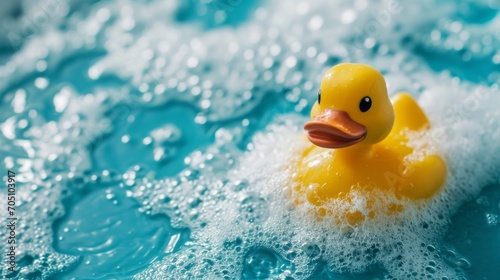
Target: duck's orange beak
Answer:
[[334, 129]]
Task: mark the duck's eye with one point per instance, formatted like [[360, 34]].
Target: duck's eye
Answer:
[[319, 97], [365, 104]]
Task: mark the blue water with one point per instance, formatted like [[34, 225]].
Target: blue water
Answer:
[[89, 172]]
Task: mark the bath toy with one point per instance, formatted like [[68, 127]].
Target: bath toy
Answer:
[[360, 141]]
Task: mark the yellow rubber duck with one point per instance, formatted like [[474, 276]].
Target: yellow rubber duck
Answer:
[[360, 141]]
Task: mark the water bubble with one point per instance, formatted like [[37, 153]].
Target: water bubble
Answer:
[[239, 185], [491, 219], [463, 263], [311, 250], [482, 200], [316, 23], [41, 83], [261, 264], [254, 209]]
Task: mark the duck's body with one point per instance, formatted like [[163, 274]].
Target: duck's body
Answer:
[[360, 141]]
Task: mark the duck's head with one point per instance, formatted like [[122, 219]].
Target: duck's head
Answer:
[[352, 108]]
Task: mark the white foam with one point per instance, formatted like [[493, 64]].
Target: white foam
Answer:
[[406, 246]]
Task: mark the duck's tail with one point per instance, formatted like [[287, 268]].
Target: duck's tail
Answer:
[[408, 113]]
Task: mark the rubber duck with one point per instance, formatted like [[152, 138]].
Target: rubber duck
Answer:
[[360, 141]]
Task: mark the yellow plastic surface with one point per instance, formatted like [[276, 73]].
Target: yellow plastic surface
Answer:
[[378, 161]]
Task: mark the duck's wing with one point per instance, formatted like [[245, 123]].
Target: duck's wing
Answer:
[[408, 113]]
